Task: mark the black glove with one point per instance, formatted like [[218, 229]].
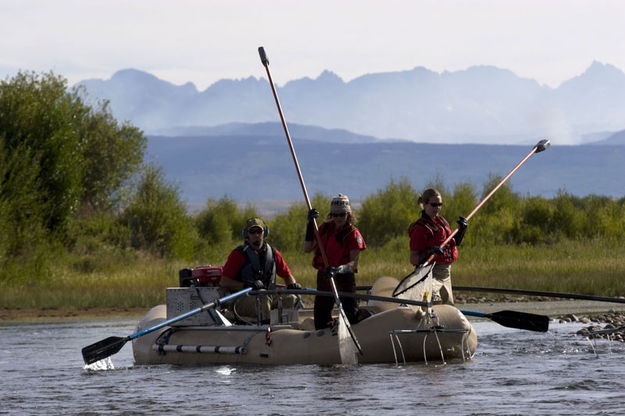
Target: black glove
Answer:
[[331, 272], [294, 286], [310, 229], [313, 214], [427, 254], [462, 228], [256, 285]]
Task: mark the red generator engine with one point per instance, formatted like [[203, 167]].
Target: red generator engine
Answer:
[[201, 276]]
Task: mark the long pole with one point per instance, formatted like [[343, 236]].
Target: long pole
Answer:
[[420, 271], [265, 62], [538, 293], [539, 147]]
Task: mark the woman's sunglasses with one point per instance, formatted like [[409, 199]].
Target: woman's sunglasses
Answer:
[[341, 215], [436, 204]]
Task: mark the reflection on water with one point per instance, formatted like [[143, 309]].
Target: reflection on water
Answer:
[[513, 372]]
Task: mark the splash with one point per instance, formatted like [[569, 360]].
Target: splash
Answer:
[[105, 364]]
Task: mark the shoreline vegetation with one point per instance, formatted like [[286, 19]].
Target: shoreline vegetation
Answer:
[[123, 290], [88, 226]]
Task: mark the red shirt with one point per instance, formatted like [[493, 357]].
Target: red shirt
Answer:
[[237, 259], [338, 252], [427, 233]]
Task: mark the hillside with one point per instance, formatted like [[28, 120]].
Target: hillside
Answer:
[[252, 168]]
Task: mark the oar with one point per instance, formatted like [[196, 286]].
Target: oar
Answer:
[[346, 353], [416, 276], [111, 345], [537, 293], [513, 319]]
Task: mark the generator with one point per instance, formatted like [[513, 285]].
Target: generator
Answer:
[[201, 276]]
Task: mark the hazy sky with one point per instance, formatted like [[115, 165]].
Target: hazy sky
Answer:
[[204, 41]]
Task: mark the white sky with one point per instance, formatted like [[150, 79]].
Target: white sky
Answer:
[[204, 41]]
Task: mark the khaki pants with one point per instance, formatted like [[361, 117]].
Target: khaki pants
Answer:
[[441, 284], [247, 306]]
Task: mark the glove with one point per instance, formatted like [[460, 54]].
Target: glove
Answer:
[[256, 285], [462, 228], [434, 250], [310, 231], [294, 286], [333, 271], [313, 214]]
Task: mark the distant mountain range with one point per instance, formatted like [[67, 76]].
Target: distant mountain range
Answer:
[[482, 104]]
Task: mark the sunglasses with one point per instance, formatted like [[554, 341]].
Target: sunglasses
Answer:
[[436, 204], [255, 231], [341, 215]]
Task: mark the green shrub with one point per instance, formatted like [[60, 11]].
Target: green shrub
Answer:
[[157, 219], [388, 213], [222, 222]]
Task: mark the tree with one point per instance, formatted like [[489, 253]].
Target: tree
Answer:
[[388, 213], [81, 153], [37, 113], [222, 221], [157, 218], [112, 155]]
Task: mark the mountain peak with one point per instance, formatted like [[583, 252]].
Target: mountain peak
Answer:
[[329, 76], [131, 74], [598, 69]]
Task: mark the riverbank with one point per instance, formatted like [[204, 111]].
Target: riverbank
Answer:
[[544, 306], [41, 316]]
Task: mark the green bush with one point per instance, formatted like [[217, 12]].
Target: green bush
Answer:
[[289, 229], [222, 222], [388, 213], [157, 219]]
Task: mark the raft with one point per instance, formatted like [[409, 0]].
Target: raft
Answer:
[[394, 333]]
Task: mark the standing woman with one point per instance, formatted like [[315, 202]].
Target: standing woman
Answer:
[[342, 243], [426, 236]]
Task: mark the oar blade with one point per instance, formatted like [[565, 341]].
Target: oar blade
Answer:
[[349, 347], [103, 349], [521, 320]]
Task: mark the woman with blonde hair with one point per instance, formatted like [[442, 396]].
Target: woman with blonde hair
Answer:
[[426, 236], [342, 243]]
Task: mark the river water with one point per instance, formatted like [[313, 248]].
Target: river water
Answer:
[[513, 372]]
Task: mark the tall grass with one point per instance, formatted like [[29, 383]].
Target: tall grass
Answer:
[[593, 267]]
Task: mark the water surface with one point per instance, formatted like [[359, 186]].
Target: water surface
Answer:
[[512, 373]]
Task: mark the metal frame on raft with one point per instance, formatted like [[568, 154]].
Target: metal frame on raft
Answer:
[[594, 335], [435, 330]]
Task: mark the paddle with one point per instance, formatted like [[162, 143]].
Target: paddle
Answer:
[[417, 276], [512, 319], [537, 293], [111, 345], [347, 356]]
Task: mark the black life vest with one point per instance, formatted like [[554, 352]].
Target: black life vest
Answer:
[[258, 266]]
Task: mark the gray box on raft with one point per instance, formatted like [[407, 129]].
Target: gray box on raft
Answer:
[[183, 299]]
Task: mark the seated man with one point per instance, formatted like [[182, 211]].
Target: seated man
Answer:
[[255, 264]]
